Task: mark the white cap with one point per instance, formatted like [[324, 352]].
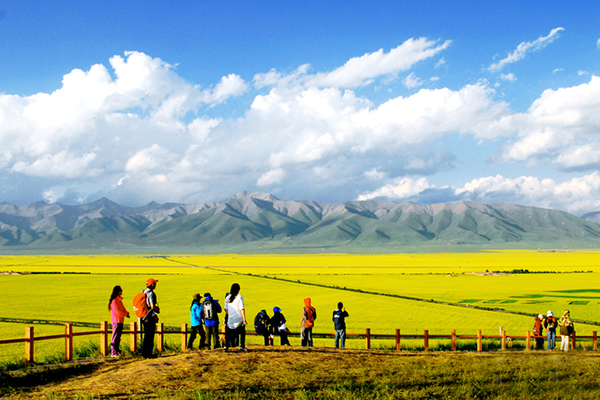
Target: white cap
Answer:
[[540, 316], [550, 313]]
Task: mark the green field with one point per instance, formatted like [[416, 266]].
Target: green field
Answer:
[[366, 284]]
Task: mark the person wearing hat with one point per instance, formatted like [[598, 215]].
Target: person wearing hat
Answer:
[[261, 325], [566, 328], [278, 326], [537, 331], [149, 322], [550, 325]]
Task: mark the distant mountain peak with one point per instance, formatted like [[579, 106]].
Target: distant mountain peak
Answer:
[[256, 195]]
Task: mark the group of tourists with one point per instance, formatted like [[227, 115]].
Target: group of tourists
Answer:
[[565, 328], [204, 321]]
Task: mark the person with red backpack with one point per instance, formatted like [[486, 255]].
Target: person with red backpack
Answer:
[[309, 314], [146, 308]]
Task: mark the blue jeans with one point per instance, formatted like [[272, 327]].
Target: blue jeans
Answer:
[[340, 335], [551, 336]]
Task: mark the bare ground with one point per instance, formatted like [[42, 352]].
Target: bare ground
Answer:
[[289, 373]]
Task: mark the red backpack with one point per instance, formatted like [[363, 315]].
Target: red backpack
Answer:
[[140, 306]]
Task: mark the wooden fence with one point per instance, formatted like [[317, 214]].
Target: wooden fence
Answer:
[[134, 334]]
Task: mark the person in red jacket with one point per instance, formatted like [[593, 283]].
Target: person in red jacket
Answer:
[[538, 331], [118, 313], [309, 314]]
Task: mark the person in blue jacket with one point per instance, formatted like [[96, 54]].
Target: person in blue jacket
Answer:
[[210, 315], [339, 321], [196, 323]]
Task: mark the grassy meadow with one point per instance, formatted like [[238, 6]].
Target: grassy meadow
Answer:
[[77, 289]]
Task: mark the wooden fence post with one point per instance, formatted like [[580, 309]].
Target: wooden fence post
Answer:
[[398, 348], [528, 341], [368, 337], [160, 344], [104, 338], [68, 342], [503, 339], [453, 340], [133, 337], [594, 341], [479, 341], [573, 340], [183, 337], [426, 340], [29, 352]]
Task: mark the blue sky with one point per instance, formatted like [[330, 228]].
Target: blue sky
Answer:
[[425, 101]]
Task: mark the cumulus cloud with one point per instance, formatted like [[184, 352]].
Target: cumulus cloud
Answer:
[[560, 127], [401, 188], [139, 133], [577, 195], [524, 48], [134, 131]]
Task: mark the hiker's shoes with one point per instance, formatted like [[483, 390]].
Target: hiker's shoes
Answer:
[[244, 349]]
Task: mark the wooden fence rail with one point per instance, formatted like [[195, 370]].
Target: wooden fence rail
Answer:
[[134, 333]]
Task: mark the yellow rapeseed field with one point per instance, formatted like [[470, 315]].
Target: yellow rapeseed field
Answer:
[[381, 292]]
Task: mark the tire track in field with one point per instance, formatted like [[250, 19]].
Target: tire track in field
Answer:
[[397, 296]]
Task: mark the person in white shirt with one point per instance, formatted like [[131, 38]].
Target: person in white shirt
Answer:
[[236, 319]]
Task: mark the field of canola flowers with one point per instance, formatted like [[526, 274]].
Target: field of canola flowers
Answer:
[[76, 289]]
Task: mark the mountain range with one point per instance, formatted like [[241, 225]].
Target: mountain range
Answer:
[[253, 221]]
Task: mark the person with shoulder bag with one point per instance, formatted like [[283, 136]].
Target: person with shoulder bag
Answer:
[[566, 329]]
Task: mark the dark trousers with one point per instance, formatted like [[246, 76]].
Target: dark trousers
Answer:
[[149, 329], [264, 332], [284, 341], [212, 333], [306, 335], [232, 335], [197, 331], [115, 342]]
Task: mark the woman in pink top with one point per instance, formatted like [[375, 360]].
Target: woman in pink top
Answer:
[[117, 317]]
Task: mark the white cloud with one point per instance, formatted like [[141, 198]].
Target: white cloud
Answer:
[[598, 43], [140, 135], [271, 177], [402, 188], [577, 195], [561, 126], [558, 70], [375, 174], [441, 62], [230, 86], [508, 77], [412, 81], [524, 48], [581, 72], [358, 71], [61, 164]]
